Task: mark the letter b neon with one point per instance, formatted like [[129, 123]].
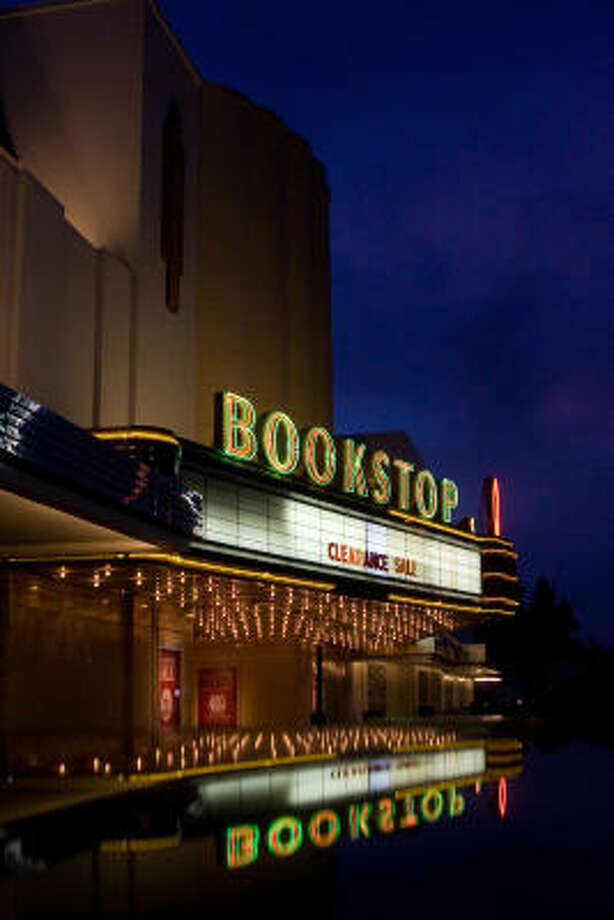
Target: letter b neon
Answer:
[[241, 845], [238, 427]]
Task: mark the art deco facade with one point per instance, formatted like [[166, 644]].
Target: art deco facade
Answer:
[[132, 172], [164, 240]]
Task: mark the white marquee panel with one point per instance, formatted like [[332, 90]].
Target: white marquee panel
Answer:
[[296, 529]]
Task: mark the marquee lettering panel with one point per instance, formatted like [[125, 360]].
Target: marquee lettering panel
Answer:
[[295, 529]]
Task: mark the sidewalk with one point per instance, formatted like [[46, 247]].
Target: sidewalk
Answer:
[[24, 797]]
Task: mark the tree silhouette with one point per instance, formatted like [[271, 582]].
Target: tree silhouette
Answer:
[[544, 663], [537, 648]]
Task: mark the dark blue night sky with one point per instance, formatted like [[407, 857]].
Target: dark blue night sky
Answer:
[[468, 148]]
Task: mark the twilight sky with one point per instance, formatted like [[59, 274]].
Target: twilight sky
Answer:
[[468, 148]]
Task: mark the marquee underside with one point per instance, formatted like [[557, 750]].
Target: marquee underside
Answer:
[[260, 607]]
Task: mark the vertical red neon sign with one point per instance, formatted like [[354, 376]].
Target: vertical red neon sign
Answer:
[[502, 796], [492, 506]]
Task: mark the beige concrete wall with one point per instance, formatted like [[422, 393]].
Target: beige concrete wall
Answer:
[[263, 296], [76, 124], [42, 297], [65, 658], [68, 702], [114, 376], [86, 88], [274, 682], [75, 120], [165, 345], [65, 309]]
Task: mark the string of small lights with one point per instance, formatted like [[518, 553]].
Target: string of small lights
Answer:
[[227, 609], [226, 747]]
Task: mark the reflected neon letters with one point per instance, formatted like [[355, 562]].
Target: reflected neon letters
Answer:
[[284, 835]]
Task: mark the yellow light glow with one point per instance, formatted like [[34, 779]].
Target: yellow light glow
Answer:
[[502, 575], [227, 768], [501, 600], [176, 560], [499, 612], [149, 844], [199, 565], [420, 602], [131, 434], [503, 744], [69, 557], [463, 534], [459, 608], [421, 788], [426, 746], [500, 552]]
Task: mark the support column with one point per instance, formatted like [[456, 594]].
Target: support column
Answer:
[[318, 717], [128, 677], [155, 676]]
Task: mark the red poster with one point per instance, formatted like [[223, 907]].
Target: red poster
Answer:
[[170, 689], [217, 697]]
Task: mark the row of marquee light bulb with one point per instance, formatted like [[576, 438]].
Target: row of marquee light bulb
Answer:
[[224, 746], [223, 613], [102, 574], [342, 621], [377, 630]]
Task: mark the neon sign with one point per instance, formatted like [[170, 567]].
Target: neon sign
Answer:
[[502, 796], [284, 836], [353, 555], [275, 442], [492, 504]]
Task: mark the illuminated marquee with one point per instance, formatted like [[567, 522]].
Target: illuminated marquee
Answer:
[[295, 527], [397, 812], [326, 785], [275, 442]]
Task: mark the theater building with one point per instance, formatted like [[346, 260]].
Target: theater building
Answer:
[[185, 544]]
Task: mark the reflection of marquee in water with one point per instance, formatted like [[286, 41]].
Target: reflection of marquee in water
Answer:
[[270, 808], [337, 780], [356, 799]]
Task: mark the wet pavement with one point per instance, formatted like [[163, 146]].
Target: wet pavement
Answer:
[[467, 826]]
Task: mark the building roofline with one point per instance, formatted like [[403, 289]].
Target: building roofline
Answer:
[[8, 156], [37, 9], [173, 39]]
